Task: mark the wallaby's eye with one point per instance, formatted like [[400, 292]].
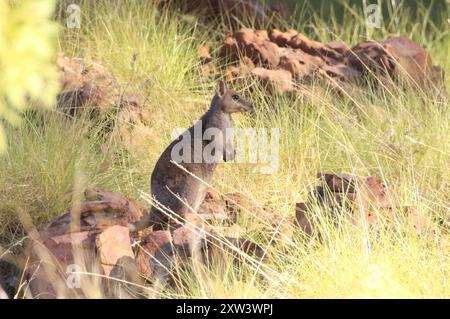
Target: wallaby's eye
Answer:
[[235, 97]]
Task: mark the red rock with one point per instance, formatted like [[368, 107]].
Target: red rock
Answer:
[[277, 80], [342, 72], [113, 244], [340, 183], [288, 51], [369, 199], [204, 53], [254, 45], [90, 85], [71, 240], [307, 45], [339, 47], [378, 192], [297, 68], [212, 194], [227, 208], [262, 35], [234, 72], [70, 71], [50, 258], [189, 235], [334, 62], [282, 38], [148, 248], [369, 57], [212, 209], [229, 49], [412, 58], [395, 57], [257, 47]]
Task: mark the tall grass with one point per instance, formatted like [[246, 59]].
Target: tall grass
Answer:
[[397, 134]]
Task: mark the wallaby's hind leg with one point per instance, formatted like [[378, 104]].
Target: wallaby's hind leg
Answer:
[[189, 201], [194, 195]]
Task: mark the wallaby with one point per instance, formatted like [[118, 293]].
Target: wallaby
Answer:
[[183, 191]]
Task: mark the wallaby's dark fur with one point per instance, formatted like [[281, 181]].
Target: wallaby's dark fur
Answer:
[[169, 181]]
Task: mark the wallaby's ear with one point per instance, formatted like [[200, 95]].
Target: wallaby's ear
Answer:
[[221, 88]]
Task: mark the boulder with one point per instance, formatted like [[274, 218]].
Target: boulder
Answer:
[[148, 248], [398, 58], [55, 259], [279, 81], [282, 38], [113, 244], [94, 239], [254, 45], [337, 192], [204, 53], [370, 201], [286, 51], [296, 67], [342, 72], [334, 63], [84, 84], [93, 236], [87, 86], [213, 208], [302, 42], [225, 209], [411, 58], [234, 72]]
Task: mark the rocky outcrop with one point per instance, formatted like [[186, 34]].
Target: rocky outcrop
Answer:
[[370, 202], [90, 249], [92, 238], [289, 59], [397, 57], [88, 88], [90, 252]]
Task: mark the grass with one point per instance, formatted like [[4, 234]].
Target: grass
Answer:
[[397, 134]]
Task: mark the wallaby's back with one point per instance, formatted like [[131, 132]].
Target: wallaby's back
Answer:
[[181, 187]]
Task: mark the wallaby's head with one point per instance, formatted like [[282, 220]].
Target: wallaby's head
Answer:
[[230, 100]]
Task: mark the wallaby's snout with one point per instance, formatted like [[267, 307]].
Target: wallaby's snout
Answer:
[[231, 100], [247, 107]]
